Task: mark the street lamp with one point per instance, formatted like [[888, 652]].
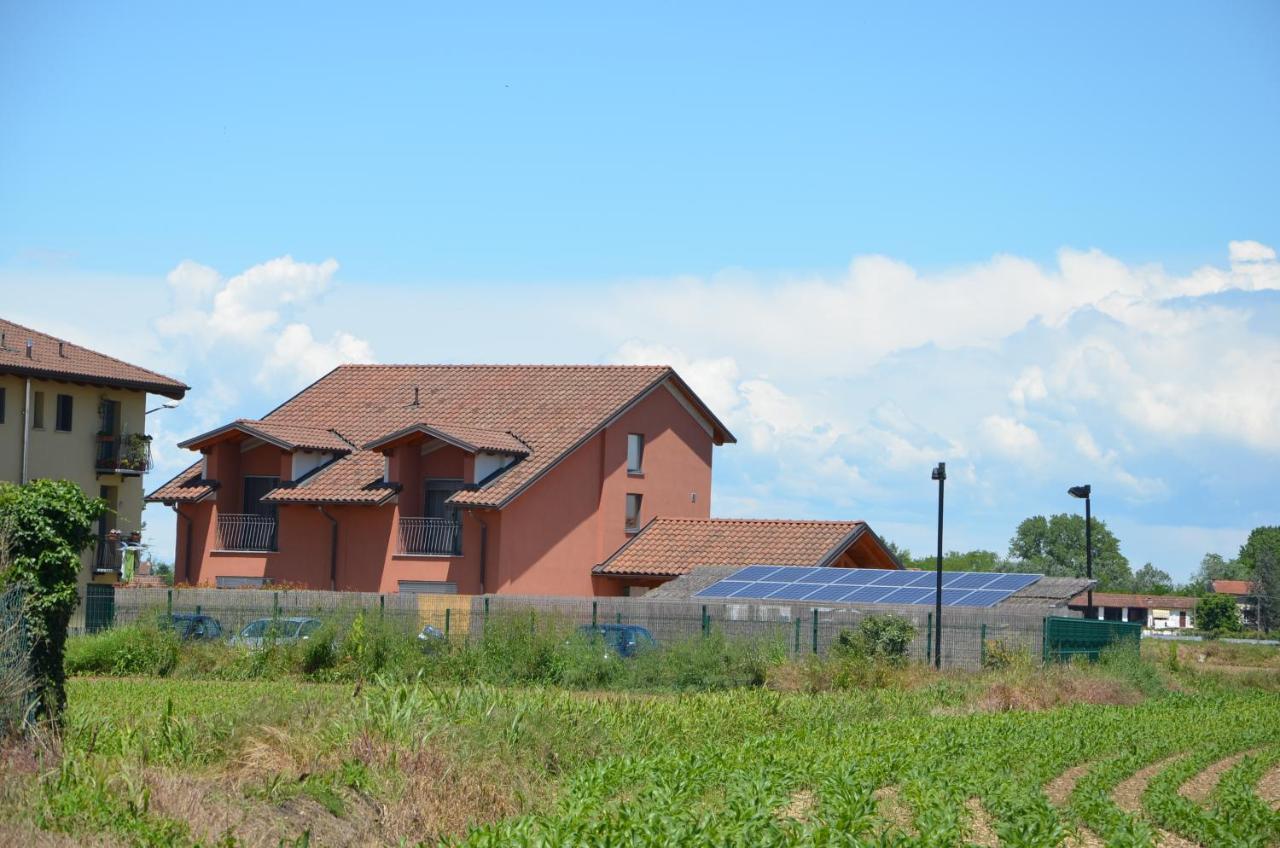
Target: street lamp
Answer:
[[939, 474], [1084, 492], [169, 404]]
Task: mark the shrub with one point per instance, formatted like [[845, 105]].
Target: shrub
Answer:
[[1218, 614], [998, 655], [133, 649], [878, 637]]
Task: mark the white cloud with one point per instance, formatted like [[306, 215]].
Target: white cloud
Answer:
[[1011, 438], [1250, 251], [241, 322]]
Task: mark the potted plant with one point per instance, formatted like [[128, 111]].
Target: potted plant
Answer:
[[114, 535], [135, 536]]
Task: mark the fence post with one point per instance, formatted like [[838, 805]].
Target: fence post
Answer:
[[815, 630], [982, 648], [197, 609], [447, 610], [485, 627], [928, 639], [382, 606], [595, 606], [169, 603], [1044, 641], [706, 622], [797, 640], [275, 604]]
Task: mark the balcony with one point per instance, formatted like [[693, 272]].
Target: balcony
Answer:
[[128, 454], [430, 537], [246, 532]]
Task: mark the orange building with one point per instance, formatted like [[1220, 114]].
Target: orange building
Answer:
[[438, 478]]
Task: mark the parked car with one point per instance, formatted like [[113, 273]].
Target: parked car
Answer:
[[195, 627], [281, 631], [624, 640]]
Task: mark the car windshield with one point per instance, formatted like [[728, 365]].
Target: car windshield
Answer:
[[261, 627]]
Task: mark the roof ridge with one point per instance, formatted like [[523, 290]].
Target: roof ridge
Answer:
[[117, 360], [477, 365], [689, 519]]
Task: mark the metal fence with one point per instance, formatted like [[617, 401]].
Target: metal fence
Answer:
[[246, 532], [430, 536], [968, 635], [17, 698]]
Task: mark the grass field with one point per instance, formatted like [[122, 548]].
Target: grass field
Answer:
[[1159, 752]]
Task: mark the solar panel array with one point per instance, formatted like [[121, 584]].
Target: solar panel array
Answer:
[[867, 586]]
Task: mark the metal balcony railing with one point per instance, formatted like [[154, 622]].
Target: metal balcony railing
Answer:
[[128, 453], [241, 532], [439, 536]]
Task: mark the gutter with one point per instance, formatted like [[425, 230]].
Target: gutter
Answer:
[[333, 548], [186, 558], [26, 430], [484, 546]]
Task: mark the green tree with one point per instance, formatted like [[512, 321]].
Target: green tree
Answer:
[[963, 561], [1055, 546], [47, 524], [1150, 580], [1266, 586], [1261, 539], [1218, 614], [1215, 567]]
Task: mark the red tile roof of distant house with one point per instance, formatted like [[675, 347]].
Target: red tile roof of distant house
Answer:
[[674, 546], [1233, 587], [187, 487], [53, 358], [1122, 599], [279, 433], [541, 411]]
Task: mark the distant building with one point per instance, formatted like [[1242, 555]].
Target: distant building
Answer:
[[70, 413], [1155, 612]]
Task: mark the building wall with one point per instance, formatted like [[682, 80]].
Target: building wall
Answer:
[[574, 517], [58, 455]]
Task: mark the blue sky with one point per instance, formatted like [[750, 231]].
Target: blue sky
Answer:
[[1036, 242]]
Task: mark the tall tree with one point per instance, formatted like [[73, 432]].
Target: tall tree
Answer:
[[1056, 546], [1215, 567], [1150, 580], [1266, 586], [1260, 539]]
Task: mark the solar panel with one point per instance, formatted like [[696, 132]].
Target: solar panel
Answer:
[[724, 588], [865, 585], [756, 572]]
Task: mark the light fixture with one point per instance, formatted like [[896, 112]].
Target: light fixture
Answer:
[[169, 404]]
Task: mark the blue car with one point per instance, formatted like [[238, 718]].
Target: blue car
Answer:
[[624, 640]]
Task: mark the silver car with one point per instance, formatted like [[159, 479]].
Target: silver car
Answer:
[[280, 631]]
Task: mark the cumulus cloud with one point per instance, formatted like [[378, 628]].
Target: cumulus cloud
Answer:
[[250, 321]]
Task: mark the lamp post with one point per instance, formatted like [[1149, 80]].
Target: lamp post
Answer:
[[169, 404], [1084, 492], [939, 474]]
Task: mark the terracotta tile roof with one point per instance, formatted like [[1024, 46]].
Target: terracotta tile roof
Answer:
[[1126, 599], [286, 435], [355, 478], [674, 546], [56, 359], [550, 409], [187, 487], [1233, 587], [473, 439]]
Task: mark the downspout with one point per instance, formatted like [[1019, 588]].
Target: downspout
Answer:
[[333, 548], [484, 546], [26, 430], [186, 556]]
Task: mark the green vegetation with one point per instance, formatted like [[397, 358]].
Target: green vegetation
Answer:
[[1218, 614], [909, 759], [44, 526]]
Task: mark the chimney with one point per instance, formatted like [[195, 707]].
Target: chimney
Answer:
[[60, 351], [1, 340], [30, 346], [415, 395]]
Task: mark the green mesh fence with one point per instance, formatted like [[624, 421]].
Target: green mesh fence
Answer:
[[1065, 638]]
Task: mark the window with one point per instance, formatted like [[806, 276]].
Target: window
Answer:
[[438, 490], [63, 421], [37, 410], [633, 512], [635, 453]]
